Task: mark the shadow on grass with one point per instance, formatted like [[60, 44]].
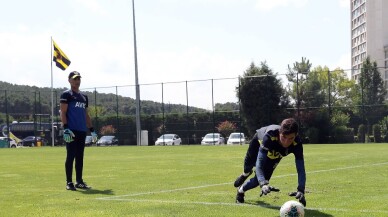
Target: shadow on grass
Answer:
[[96, 191], [307, 211]]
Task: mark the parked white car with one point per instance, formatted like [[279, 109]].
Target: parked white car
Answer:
[[12, 143], [168, 139], [213, 138], [107, 141], [236, 138]]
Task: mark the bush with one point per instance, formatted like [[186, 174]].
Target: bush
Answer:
[[313, 135], [361, 133], [377, 133], [342, 134], [107, 130], [226, 128]]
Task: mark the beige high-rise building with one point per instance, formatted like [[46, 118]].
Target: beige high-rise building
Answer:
[[369, 33]]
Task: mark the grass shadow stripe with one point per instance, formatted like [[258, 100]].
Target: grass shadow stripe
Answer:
[[164, 191], [241, 204], [229, 183]]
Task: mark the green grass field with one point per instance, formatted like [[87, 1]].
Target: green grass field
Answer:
[[342, 180]]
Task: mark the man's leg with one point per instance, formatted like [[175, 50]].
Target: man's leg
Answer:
[[79, 159], [70, 155], [249, 161], [268, 174], [252, 183]]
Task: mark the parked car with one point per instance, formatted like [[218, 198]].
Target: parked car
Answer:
[[12, 143], [32, 141], [88, 141], [236, 138], [213, 138], [168, 139], [107, 140]]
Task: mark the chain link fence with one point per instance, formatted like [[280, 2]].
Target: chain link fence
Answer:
[[190, 109]]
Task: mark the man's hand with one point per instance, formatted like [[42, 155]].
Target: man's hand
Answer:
[[300, 196], [68, 135], [272, 188], [94, 137], [265, 189]]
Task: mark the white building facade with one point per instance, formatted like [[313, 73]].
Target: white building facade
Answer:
[[369, 34]]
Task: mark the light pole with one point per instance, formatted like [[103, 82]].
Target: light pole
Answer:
[[362, 101], [138, 126], [329, 101], [297, 95]]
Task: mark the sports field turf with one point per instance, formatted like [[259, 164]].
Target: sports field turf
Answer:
[[342, 180]]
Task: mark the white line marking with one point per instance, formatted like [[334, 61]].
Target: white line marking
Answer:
[[244, 204], [228, 183], [165, 191], [330, 170], [121, 197]]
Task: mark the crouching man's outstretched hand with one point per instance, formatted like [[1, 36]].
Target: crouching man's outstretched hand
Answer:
[[300, 196], [265, 189]]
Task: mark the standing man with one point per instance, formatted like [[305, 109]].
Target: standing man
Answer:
[[76, 121], [269, 145]]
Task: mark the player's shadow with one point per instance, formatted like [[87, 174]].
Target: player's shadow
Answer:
[[307, 211], [96, 191]]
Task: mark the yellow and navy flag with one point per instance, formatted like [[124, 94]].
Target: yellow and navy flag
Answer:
[[60, 58], [12, 136]]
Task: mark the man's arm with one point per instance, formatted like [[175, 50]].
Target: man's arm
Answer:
[[90, 126], [88, 119], [300, 168], [301, 174], [63, 108], [262, 155]]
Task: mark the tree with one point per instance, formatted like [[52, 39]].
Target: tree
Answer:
[[262, 97], [302, 67], [297, 75], [312, 94], [343, 91], [373, 92], [339, 93], [229, 106], [96, 111]]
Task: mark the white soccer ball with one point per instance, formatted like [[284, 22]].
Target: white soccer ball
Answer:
[[292, 208]]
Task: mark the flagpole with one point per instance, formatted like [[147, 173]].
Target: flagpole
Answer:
[[52, 95]]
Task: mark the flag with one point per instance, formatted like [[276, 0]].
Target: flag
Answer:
[[12, 136], [60, 58]]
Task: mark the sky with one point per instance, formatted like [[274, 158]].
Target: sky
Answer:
[[176, 40]]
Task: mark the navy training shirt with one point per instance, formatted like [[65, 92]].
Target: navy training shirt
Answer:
[[269, 140], [76, 110]]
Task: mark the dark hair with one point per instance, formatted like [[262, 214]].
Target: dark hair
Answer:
[[289, 126]]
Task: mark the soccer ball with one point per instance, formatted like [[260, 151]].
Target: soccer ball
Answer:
[[292, 208]]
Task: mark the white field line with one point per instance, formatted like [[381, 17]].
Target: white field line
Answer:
[[243, 204], [122, 197], [228, 183]]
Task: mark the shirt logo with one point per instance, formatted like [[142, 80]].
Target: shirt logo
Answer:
[[80, 104], [273, 154]]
